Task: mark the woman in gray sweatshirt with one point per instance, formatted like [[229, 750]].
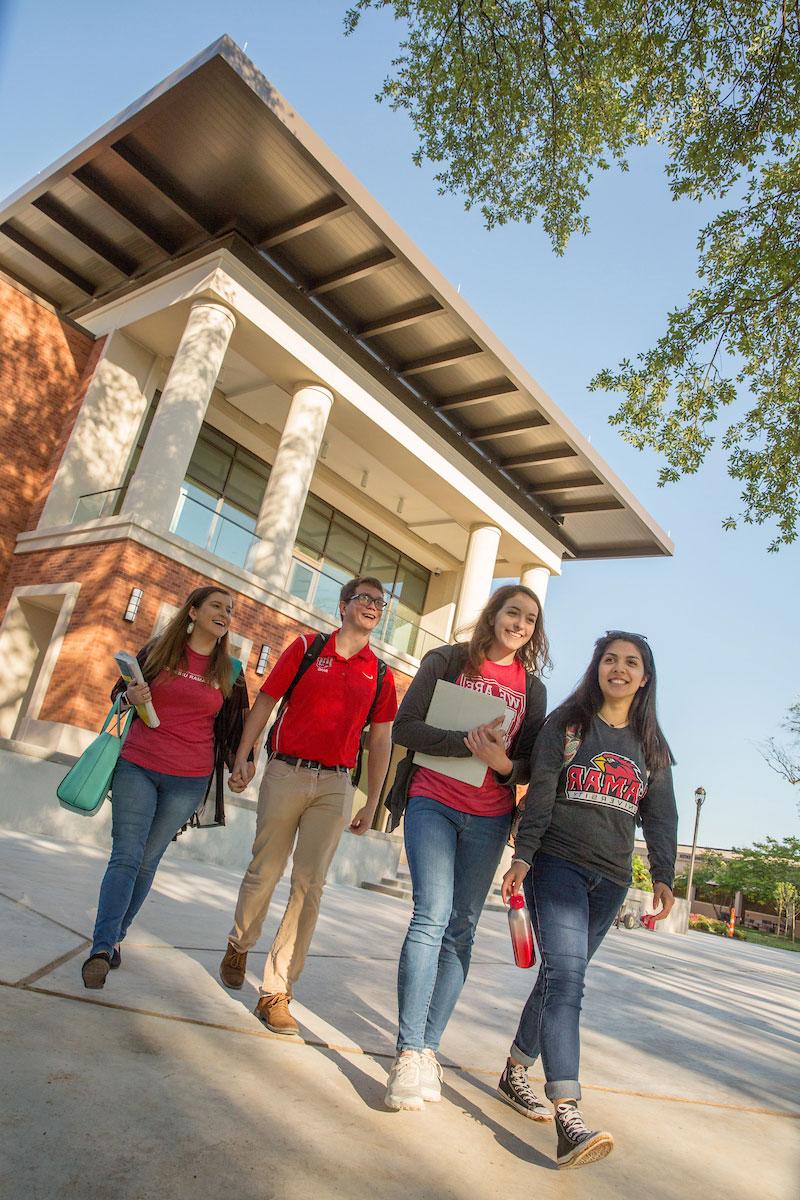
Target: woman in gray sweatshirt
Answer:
[[599, 764]]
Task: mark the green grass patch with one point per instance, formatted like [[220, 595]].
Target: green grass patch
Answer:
[[770, 939], [708, 925]]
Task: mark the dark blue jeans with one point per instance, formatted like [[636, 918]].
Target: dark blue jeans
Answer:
[[572, 910], [452, 857], [147, 810]]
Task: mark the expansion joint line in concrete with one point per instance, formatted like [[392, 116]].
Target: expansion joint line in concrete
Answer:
[[319, 1044]]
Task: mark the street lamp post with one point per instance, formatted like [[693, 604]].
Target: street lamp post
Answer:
[[699, 797]]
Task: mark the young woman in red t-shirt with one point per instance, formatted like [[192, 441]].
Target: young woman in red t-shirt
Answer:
[[455, 832], [164, 774]]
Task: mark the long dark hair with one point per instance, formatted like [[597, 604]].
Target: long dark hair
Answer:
[[585, 702], [534, 655], [168, 651]]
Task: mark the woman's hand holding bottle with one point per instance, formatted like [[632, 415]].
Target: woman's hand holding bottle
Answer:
[[512, 880], [488, 743]]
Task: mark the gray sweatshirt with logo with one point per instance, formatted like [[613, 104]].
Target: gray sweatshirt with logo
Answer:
[[585, 811]]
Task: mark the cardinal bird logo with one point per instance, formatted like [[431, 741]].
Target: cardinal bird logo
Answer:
[[609, 779]]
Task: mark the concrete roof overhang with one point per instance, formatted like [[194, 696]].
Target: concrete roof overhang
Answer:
[[215, 153]]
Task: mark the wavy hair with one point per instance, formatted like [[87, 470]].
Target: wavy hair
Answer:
[[534, 654], [168, 651], [585, 702]]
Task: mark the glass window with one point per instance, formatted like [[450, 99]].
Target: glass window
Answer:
[[314, 525], [211, 460], [345, 545], [245, 486], [380, 560], [219, 504], [412, 584]]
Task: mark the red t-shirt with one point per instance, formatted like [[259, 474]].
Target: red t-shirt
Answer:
[[183, 743], [327, 709], [492, 798]]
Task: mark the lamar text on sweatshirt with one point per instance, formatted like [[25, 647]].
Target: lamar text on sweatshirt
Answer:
[[585, 811]]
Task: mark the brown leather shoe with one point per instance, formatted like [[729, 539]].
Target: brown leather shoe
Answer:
[[233, 967], [273, 1011]]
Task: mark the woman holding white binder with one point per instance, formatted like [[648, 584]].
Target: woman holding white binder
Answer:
[[164, 773], [457, 822]]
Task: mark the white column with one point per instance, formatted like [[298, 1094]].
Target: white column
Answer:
[[154, 490], [476, 582], [105, 428], [289, 481], [536, 578]]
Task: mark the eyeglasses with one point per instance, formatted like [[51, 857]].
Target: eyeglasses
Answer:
[[368, 601], [621, 633]]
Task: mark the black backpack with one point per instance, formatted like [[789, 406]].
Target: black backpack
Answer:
[[313, 651]]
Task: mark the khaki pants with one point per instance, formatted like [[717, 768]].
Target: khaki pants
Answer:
[[314, 807]]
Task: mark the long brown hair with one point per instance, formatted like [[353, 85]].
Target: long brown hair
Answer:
[[534, 655], [585, 702], [168, 651]]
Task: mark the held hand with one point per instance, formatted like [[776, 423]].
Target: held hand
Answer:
[[137, 693], [241, 775], [362, 821], [662, 895], [487, 743], [512, 880]]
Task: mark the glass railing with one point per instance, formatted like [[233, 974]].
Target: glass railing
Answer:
[[97, 504], [208, 527], [398, 628]]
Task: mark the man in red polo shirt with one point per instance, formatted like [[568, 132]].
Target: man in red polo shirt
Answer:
[[306, 791]]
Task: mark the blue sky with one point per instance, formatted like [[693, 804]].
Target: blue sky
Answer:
[[722, 615]]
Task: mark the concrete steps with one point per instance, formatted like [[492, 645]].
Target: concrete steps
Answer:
[[399, 886]]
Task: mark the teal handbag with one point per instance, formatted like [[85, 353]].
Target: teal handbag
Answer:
[[86, 784]]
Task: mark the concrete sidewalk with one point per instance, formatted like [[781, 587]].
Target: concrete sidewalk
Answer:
[[164, 1083]]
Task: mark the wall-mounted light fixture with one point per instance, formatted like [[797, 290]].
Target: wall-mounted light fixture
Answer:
[[134, 600], [364, 478], [323, 450], [400, 503], [263, 657]]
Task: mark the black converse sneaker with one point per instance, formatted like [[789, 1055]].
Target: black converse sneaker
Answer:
[[577, 1144], [514, 1087]]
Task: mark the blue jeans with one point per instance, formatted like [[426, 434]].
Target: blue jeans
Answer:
[[571, 911], [452, 857], [147, 810]]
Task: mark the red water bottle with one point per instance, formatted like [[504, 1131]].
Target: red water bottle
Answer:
[[519, 922]]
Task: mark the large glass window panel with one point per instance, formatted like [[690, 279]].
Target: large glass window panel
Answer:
[[380, 560], [345, 545], [412, 585], [245, 486], [314, 525], [211, 460]]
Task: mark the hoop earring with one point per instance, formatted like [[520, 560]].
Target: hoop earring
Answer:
[[190, 627]]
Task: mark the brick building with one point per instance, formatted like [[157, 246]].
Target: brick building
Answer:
[[221, 360]]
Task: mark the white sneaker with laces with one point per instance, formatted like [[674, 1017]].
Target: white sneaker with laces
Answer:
[[430, 1077], [403, 1090]]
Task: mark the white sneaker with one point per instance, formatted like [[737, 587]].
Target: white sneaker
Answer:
[[403, 1090], [430, 1077]]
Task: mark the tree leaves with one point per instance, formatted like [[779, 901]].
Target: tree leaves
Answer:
[[519, 103]]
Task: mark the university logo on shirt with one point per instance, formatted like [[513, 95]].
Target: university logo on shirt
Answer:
[[610, 779], [513, 700], [324, 662]]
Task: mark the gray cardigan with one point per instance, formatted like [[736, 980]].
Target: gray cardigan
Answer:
[[410, 728]]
